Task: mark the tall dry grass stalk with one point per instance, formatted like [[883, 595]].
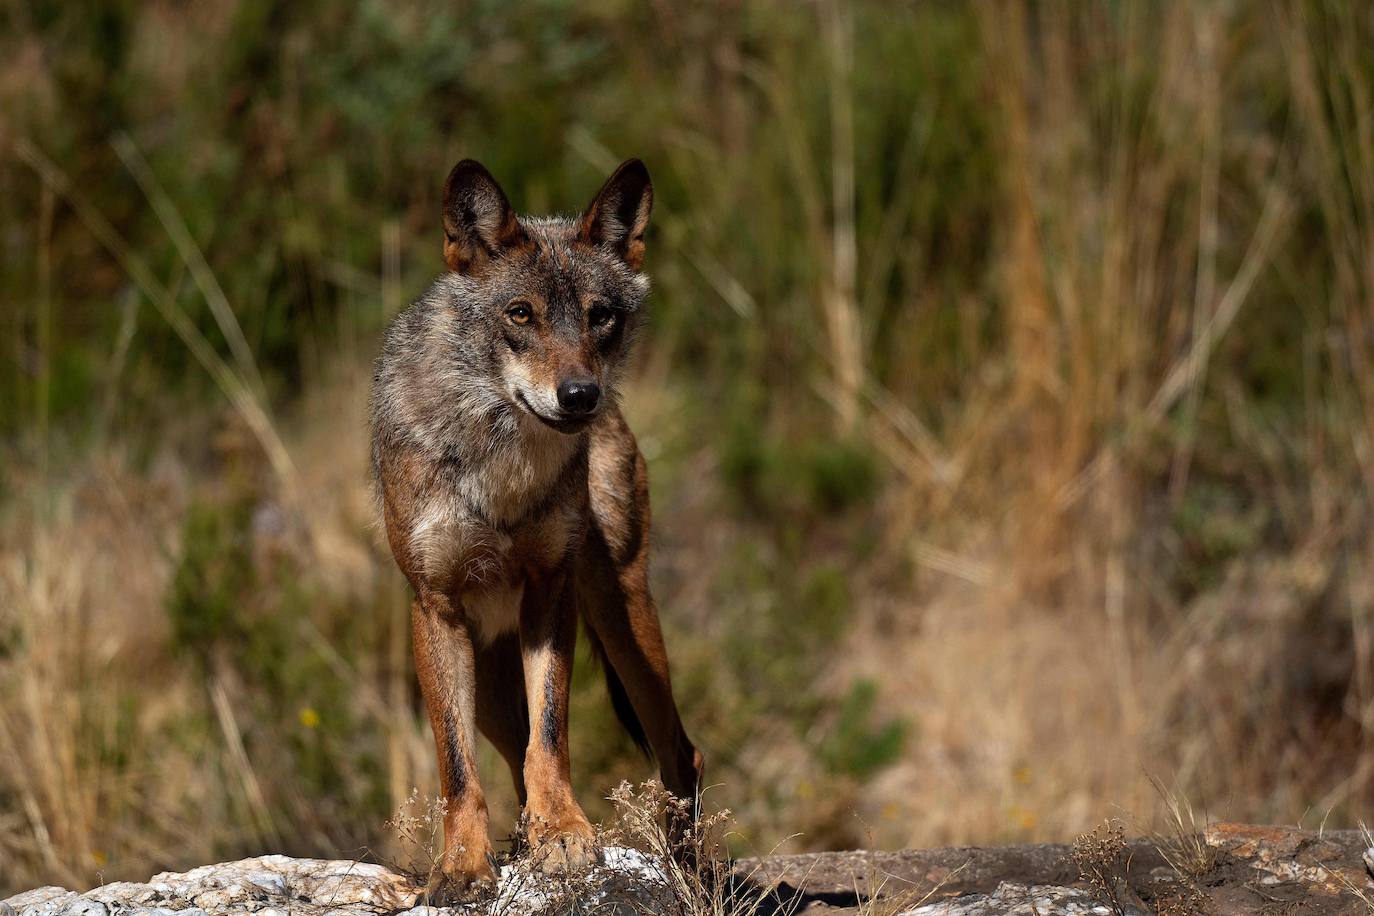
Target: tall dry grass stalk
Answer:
[[841, 309]]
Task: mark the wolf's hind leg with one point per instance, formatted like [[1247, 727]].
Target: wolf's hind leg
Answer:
[[502, 712], [617, 606]]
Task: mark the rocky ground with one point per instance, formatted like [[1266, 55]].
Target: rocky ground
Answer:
[[1229, 869]]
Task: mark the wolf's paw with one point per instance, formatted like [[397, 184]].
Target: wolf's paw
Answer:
[[566, 850], [458, 883]]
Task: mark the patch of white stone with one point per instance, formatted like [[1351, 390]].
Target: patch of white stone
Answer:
[[283, 886], [1012, 899]]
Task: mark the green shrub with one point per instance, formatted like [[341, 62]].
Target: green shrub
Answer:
[[857, 745]]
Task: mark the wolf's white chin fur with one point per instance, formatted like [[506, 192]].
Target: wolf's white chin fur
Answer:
[[542, 404]]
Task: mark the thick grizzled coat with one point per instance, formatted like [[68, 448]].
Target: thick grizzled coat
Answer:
[[515, 497], [453, 371]]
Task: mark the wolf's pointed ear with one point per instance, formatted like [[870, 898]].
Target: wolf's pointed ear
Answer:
[[479, 223], [618, 216]]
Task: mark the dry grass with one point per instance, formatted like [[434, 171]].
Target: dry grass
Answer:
[[115, 745], [1045, 626], [1183, 846], [695, 877], [1357, 888], [1101, 860], [700, 879], [885, 894], [418, 826]]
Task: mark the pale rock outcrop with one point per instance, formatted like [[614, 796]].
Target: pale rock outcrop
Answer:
[[1237, 869]]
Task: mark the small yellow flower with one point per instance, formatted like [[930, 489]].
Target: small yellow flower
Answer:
[[100, 858], [309, 717], [1023, 817]]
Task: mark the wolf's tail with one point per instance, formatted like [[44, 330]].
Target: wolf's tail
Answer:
[[620, 700]]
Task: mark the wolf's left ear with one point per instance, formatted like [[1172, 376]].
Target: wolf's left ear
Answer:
[[617, 217], [479, 223]]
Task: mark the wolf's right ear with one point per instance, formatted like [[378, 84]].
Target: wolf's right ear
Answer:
[[479, 223]]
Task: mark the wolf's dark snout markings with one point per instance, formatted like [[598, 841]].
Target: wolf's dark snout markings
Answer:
[[516, 501]]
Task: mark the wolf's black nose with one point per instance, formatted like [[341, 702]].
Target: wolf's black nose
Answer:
[[578, 395]]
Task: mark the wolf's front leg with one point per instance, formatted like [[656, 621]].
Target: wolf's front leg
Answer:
[[444, 663], [559, 832]]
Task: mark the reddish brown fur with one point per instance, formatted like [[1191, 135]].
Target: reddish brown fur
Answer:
[[574, 541]]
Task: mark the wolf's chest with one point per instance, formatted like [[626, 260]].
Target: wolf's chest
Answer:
[[503, 517], [486, 568], [514, 480]]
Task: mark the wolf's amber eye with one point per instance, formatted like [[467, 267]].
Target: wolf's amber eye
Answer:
[[598, 316], [520, 313]]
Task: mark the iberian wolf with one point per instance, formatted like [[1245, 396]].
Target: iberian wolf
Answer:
[[516, 501]]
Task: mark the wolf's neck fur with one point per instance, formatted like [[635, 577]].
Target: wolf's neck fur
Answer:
[[509, 480], [437, 391]]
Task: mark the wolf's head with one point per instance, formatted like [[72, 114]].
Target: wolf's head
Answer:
[[553, 301]]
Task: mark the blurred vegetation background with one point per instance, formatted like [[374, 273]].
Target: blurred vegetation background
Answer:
[[1007, 399]]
